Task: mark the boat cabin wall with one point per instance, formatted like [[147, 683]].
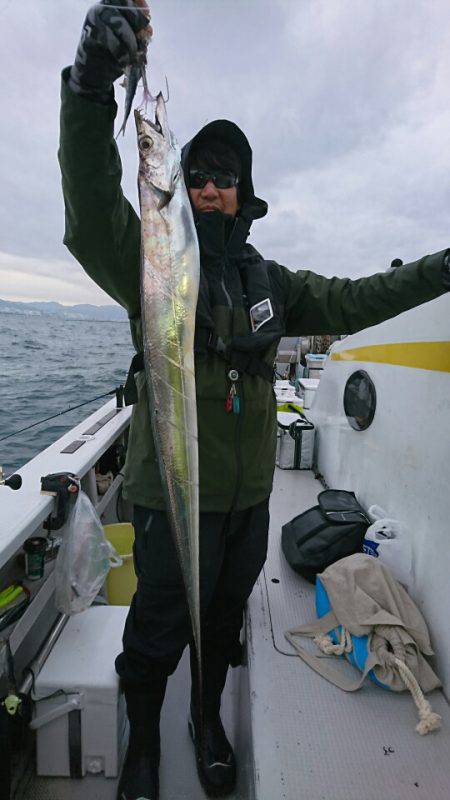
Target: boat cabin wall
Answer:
[[401, 461]]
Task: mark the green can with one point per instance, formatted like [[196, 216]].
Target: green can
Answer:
[[35, 557]]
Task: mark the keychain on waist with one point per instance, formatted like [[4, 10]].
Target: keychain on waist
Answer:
[[233, 402]]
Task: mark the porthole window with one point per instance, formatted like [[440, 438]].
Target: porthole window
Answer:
[[360, 400]]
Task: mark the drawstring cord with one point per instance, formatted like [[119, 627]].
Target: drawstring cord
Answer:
[[429, 720]]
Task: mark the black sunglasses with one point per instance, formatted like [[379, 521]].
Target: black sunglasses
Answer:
[[198, 178]]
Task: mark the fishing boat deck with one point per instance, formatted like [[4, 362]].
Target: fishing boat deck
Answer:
[[296, 736], [310, 739]]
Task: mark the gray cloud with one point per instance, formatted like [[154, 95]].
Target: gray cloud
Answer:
[[24, 278], [345, 105]]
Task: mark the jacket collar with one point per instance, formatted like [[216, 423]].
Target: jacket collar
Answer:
[[220, 234]]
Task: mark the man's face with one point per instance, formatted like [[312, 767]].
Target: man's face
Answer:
[[210, 198], [214, 171]]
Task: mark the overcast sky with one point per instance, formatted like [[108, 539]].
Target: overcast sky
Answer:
[[345, 103]]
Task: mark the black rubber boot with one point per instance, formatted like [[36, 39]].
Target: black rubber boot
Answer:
[[216, 765], [139, 778]]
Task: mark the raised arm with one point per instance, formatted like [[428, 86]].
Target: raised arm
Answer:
[[318, 305], [102, 229]]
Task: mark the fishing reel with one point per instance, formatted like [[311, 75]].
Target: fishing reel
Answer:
[[14, 481]]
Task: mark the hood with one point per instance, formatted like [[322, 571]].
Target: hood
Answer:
[[252, 207]]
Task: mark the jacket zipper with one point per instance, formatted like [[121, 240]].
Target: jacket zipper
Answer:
[[238, 446], [225, 290], [237, 440]]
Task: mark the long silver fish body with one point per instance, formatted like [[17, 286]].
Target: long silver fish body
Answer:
[[170, 274]]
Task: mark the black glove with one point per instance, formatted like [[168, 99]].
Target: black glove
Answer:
[[107, 46]]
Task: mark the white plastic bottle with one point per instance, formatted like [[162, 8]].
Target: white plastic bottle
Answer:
[[388, 540]]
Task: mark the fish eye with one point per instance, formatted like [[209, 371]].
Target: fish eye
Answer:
[[146, 143]]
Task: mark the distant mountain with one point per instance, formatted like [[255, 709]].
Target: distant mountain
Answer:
[[83, 311]]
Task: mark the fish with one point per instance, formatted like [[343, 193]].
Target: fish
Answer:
[[169, 284], [133, 73]]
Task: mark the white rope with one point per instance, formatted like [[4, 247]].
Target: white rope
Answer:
[[429, 720], [326, 644]]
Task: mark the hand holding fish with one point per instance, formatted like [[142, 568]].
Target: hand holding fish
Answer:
[[114, 37]]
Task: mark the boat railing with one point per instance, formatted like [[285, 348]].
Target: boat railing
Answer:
[[77, 451]]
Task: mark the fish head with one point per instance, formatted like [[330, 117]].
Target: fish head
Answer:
[[159, 154]]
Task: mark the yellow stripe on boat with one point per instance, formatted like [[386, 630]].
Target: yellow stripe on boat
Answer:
[[419, 355]]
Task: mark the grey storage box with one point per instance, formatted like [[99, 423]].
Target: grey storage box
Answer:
[[80, 715], [295, 442]]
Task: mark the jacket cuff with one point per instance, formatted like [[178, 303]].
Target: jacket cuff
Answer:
[[446, 270], [436, 267], [84, 100]]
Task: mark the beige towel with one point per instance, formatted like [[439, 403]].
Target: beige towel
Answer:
[[366, 600]]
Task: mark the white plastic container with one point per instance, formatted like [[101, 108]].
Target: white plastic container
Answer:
[[83, 729], [387, 539], [308, 387], [315, 360], [285, 392], [315, 373], [315, 363]]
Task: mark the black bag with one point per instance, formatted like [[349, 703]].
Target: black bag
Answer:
[[325, 533]]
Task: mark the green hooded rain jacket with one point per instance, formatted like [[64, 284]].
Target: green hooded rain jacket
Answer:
[[236, 451]]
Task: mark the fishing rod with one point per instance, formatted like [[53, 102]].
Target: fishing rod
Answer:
[[122, 8], [142, 9], [59, 414]]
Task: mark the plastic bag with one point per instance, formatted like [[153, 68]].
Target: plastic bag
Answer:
[[84, 559], [387, 539]]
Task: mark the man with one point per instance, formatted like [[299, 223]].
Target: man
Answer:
[[245, 305]]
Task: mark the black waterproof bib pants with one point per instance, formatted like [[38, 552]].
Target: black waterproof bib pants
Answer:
[[233, 549]]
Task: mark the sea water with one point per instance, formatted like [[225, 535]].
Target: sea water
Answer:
[[47, 365]]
